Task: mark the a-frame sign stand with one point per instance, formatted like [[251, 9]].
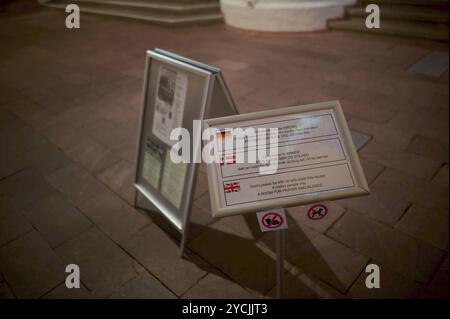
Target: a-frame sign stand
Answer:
[[193, 91]]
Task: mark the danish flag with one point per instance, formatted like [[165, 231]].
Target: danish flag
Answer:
[[232, 187], [228, 159], [224, 135]]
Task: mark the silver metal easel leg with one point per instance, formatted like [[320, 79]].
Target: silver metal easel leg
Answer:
[[183, 244], [279, 238]]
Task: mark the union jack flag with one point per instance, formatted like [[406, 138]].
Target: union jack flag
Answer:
[[232, 187]]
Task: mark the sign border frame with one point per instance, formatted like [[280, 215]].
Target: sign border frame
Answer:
[[162, 204], [361, 187]]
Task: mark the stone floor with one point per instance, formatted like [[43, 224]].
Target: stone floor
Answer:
[[69, 104]]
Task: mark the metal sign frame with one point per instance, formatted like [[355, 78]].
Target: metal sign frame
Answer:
[[220, 209], [214, 98]]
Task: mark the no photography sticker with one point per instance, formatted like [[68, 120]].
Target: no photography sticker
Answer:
[[274, 219]]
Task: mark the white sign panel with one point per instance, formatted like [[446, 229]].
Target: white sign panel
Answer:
[[274, 219], [169, 102], [316, 161]]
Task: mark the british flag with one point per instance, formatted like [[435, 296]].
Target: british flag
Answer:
[[232, 187]]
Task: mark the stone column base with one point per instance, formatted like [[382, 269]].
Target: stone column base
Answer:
[[282, 15]]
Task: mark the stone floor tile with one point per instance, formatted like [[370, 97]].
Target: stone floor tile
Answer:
[[201, 185], [330, 261], [390, 156], [125, 150], [422, 123], [245, 225], [92, 156], [63, 135], [104, 266], [411, 189], [62, 292], [366, 110], [9, 94], [120, 179], [144, 286], [11, 164], [219, 245], [107, 133], [37, 92], [78, 117], [426, 225], [55, 104], [114, 216], [76, 184], [213, 286], [397, 138], [438, 287], [34, 149], [120, 115], [230, 65], [371, 170], [56, 219], [301, 285], [76, 78], [25, 187], [297, 235], [433, 64], [5, 290], [10, 161], [430, 148], [30, 266], [201, 215], [401, 253], [12, 222], [441, 178], [32, 114], [160, 255], [380, 206], [300, 215], [392, 285], [7, 119]]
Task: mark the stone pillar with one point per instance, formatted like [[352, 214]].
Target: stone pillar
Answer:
[[282, 15]]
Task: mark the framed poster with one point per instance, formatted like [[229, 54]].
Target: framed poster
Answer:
[[316, 160], [177, 90]]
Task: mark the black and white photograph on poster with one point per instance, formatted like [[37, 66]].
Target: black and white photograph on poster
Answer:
[[169, 102]]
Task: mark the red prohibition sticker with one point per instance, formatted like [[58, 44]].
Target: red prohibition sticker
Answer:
[[272, 220], [317, 211]]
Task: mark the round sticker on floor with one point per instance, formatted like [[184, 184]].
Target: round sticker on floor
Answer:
[[317, 211]]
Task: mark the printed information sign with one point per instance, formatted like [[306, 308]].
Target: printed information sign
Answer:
[[177, 91], [316, 160]]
